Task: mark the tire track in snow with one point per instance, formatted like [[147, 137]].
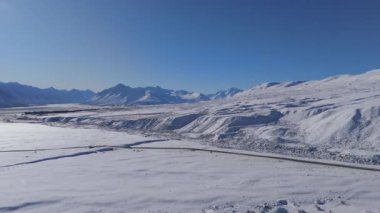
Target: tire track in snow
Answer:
[[101, 149], [136, 147]]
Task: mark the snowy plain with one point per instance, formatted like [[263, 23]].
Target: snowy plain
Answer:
[[124, 180]]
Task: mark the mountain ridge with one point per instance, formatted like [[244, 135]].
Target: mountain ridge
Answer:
[[13, 94], [125, 95]]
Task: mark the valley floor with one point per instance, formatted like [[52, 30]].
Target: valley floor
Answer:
[[140, 180]]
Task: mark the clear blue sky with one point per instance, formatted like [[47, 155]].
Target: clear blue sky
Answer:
[[201, 45]]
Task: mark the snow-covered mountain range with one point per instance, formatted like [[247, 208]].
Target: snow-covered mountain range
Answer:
[[15, 94], [125, 95]]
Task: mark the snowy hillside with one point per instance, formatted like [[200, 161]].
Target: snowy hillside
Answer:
[[15, 94], [334, 118], [125, 95]]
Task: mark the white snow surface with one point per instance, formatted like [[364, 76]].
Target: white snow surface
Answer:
[[122, 180]]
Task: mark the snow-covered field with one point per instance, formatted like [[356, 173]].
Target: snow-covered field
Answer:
[[125, 180], [337, 118]]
